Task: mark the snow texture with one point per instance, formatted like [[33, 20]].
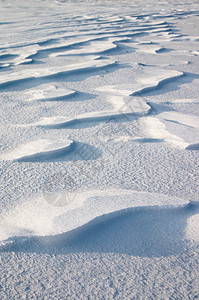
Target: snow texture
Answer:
[[99, 149]]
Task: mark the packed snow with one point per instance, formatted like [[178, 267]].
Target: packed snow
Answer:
[[99, 149]]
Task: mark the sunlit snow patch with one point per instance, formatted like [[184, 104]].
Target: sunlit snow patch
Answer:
[[39, 217], [39, 149], [48, 92]]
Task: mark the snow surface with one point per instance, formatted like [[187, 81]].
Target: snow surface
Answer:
[[99, 149], [38, 149]]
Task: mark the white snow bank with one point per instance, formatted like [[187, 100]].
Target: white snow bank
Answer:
[[48, 92], [155, 128], [72, 210], [13, 77], [37, 149]]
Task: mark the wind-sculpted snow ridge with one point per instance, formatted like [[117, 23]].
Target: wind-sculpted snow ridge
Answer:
[[120, 99], [39, 150], [45, 73], [68, 211], [132, 109], [49, 92], [90, 40], [110, 221], [55, 150], [156, 127]]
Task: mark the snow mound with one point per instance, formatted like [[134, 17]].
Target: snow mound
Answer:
[[56, 213], [39, 149], [48, 92]]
